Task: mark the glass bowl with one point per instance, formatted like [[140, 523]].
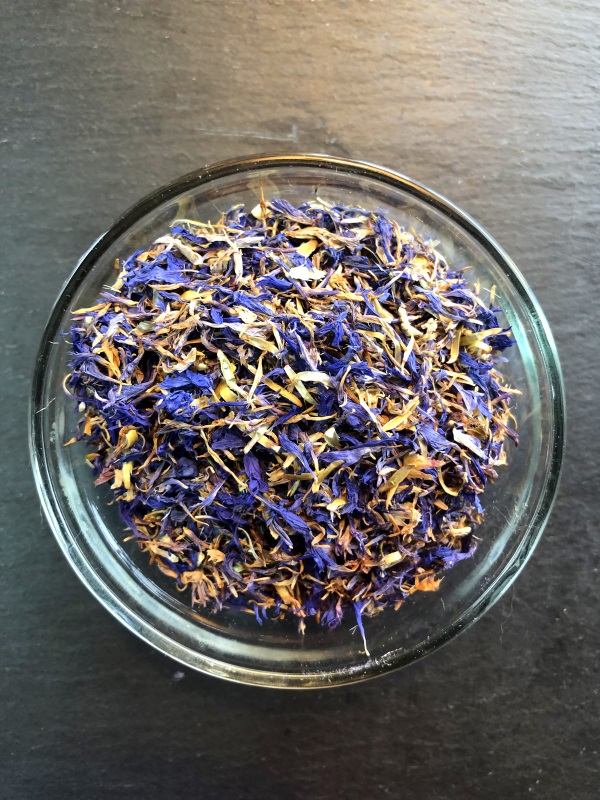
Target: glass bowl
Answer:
[[231, 644]]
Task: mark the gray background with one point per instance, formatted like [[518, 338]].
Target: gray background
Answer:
[[495, 105]]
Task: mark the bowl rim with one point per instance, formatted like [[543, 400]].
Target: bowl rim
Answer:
[[130, 617]]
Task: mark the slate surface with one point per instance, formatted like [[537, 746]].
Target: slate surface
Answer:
[[495, 105]]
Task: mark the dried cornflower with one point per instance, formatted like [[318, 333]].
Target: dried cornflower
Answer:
[[296, 408]]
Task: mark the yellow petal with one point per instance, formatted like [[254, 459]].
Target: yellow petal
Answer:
[[127, 469], [315, 377], [454, 348], [260, 343], [323, 473], [337, 503], [131, 438], [391, 559], [308, 248]]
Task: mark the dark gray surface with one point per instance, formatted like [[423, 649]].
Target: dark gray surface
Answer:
[[495, 105]]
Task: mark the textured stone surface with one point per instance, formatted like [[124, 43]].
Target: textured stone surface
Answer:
[[495, 105]]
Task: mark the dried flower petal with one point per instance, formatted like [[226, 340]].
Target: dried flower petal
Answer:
[[296, 408]]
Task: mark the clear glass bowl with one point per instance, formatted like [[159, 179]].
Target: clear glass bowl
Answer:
[[231, 644]]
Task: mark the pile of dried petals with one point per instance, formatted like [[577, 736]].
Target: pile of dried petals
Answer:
[[296, 408]]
